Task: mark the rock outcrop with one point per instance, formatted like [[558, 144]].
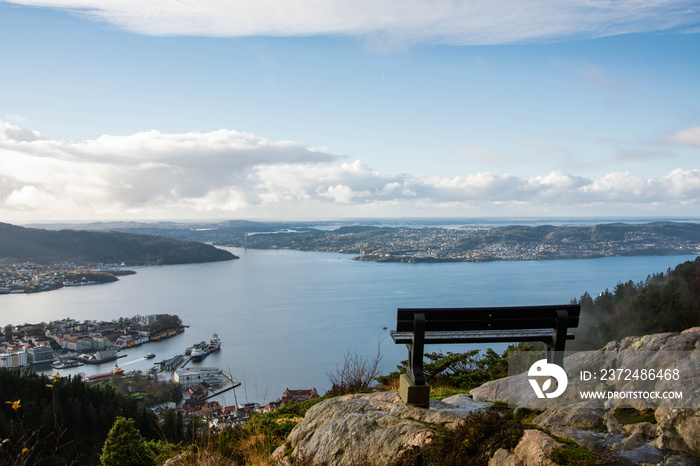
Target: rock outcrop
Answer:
[[670, 435], [379, 429], [375, 428]]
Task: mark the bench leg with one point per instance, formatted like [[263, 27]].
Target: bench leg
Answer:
[[555, 349], [412, 394], [415, 351], [412, 387]]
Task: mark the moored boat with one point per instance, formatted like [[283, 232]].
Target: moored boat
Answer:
[[198, 354], [214, 344], [65, 364], [99, 357], [116, 371]]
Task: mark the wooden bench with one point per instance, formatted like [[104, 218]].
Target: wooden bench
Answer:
[[423, 326]]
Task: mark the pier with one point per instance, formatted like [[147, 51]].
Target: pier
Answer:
[[234, 383]]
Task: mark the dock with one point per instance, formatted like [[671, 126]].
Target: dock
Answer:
[[234, 383], [100, 360]]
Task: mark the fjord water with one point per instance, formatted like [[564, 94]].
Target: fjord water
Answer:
[[286, 317]]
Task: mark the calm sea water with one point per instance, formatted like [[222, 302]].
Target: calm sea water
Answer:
[[286, 318]]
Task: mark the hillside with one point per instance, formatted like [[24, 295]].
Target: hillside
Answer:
[[664, 302], [469, 242], [18, 244], [514, 242]]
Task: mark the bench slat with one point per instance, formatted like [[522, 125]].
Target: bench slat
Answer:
[[493, 324], [503, 336], [517, 317], [573, 309]]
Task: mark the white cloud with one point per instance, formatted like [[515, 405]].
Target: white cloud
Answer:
[[689, 137], [339, 193], [620, 186], [31, 198], [464, 22], [226, 173], [683, 185], [141, 171]]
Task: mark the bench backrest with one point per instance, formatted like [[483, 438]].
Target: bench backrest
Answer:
[[487, 318]]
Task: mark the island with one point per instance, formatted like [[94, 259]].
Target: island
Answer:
[[33, 259]]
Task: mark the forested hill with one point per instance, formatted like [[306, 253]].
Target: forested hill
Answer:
[[514, 242], [664, 302], [18, 244]]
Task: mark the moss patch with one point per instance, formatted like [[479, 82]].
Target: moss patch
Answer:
[[574, 455], [626, 415], [473, 441], [444, 391]]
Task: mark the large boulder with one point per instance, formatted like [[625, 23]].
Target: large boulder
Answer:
[[674, 428], [375, 428]]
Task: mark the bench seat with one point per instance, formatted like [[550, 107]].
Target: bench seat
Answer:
[[479, 336]]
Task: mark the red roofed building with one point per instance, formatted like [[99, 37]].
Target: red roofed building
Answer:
[[298, 395]]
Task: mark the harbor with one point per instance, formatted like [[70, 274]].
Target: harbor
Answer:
[[199, 383]]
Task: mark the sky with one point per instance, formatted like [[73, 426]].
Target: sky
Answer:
[[334, 109]]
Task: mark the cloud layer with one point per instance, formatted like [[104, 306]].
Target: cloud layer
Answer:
[[465, 22], [227, 173]]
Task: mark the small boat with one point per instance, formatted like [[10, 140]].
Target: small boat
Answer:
[[150, 355]]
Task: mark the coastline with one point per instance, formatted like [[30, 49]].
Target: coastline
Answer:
[[417, 259]]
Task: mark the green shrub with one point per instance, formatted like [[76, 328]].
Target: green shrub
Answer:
[[474, 440], [125, 446]]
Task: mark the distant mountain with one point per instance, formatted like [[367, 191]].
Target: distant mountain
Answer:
[[19, 244]]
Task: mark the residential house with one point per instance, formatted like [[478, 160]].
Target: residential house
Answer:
[[298, 395]]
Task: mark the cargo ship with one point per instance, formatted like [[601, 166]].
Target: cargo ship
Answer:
[[204, 349], [116, 371], [214, 344]]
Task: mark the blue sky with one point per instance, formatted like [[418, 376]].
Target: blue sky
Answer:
[[338, 109]]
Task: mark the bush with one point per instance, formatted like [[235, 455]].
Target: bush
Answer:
[[125, 446], [356, 374], [468, 370], [473, 441]]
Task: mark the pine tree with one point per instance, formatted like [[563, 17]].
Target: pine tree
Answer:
[[125, 446]]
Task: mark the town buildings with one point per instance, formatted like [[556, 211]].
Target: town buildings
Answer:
[[208, 376]]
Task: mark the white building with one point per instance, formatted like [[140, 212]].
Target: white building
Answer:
[[39, 354], [79, 344], [188, 377], [18, 359], [146, 320]]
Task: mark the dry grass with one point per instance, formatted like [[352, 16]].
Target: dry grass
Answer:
[[391, 386], [199, 458]]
